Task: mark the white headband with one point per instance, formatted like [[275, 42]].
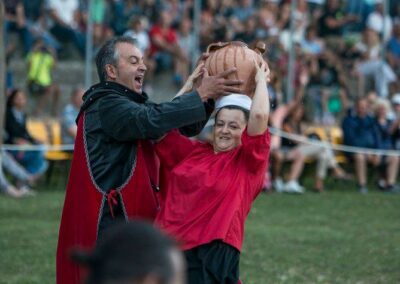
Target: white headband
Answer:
[[235, 100]]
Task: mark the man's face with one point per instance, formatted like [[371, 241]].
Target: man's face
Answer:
[[362, 108], [130, 68]]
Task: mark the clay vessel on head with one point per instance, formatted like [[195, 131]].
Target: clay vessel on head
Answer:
[[225, 55]]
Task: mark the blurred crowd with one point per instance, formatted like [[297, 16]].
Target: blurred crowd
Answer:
[[346, 68]]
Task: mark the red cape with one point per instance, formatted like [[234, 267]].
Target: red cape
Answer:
[[83, 200]]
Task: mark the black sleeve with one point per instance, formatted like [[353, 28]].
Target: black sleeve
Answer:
[[195, 128], [125, 120]]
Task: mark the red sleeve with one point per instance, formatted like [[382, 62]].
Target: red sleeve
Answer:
[[173, 38], [155, 30], [255, 150], [173, 148]]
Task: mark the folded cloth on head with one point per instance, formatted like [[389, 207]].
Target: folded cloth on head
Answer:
[[234, 100]]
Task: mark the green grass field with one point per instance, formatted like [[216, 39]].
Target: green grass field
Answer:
[[336, 237]]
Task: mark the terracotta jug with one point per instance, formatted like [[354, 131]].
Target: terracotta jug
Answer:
[[225, 55]]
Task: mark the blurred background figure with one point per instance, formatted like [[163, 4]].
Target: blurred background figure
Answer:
[[15, 126], [69, 115], [358, 131], [64, 16], [41, 62], [133, 252], [387, 165], [164, 48], [15, 22], [23, 179]]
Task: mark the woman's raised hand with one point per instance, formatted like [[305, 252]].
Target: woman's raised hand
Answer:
[[192, 80], [263, 72]]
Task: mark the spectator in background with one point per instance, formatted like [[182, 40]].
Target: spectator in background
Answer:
[[396, 123], [69, 115], [15, 124], [186, 42], [23, 179], [9, 76], [248, 35], [388, 165], [327, 87], [332, 21], [380, 23], [133, 252], [359, 131], [65, 27], [279, 149], [164, 48], [372, 65], [311, 44], [7, 188], [297, 153], [301, 19], [177, 10], [137, 31], [361, 9], [393, 48], [37, 23], [244, 10], [15, 21], [117, 19], [41, 62], [267, 16], [101, 31]]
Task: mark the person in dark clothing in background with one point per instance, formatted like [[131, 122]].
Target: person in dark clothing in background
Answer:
[[114, 172], [359, 130], [17, 134], [388, 165]]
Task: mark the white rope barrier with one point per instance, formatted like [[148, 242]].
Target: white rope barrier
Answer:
[[274, 131], [40, 147], [335, 147]]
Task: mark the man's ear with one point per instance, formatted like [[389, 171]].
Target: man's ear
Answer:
[[111, 71]]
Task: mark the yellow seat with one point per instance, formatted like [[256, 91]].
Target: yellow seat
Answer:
[[49, 132], [318, 131], [333, 135], [37, 129]]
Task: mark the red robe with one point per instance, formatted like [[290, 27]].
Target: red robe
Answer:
[[83, 201]]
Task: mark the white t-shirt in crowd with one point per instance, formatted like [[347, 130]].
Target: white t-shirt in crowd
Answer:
[[65, 9]]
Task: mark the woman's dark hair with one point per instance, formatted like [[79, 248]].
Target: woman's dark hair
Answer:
[[245, 111], [109, 55], [11, 97], [129, 252]]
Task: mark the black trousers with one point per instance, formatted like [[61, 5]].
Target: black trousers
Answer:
[[213, 263]]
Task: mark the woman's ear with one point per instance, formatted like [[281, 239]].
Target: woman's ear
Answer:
[[111, 71]]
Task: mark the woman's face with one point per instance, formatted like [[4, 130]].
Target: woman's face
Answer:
[[228, 129], [381, 111], [19, 101]]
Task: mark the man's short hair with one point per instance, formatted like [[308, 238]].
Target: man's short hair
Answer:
[[109, 55], [129, 252]]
